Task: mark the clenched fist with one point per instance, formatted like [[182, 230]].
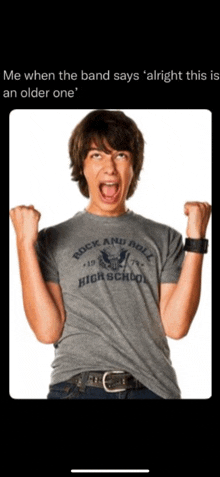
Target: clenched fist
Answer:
[[25, 221], [198, 217]]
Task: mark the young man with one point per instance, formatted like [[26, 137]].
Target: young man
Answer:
[[107, 286]]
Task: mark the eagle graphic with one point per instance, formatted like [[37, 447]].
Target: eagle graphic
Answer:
[[112, 259]]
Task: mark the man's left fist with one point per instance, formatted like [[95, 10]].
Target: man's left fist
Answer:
[[198, 217]]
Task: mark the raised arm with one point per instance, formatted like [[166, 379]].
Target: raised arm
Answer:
[[179, 302], [43, 303]]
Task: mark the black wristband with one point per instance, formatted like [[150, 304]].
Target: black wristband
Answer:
[[196, 245]]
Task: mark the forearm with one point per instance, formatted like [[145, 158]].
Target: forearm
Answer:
[[182, 306], [41, 311]]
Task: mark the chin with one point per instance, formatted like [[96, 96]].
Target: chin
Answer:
[[103, 208]]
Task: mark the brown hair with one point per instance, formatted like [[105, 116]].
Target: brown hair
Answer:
[[102, 126]]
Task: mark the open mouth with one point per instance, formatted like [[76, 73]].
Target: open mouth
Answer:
[[109, 191]]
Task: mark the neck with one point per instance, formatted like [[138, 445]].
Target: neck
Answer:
[[92, 209]]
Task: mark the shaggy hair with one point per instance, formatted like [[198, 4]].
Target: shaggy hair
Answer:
[[103, 126]]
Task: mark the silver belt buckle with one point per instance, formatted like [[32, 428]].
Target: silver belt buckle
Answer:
[[115, 390]]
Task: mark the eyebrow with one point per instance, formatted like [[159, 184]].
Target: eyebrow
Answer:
[[95, 149], [100, 149]]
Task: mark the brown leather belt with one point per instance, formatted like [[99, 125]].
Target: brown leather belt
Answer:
[[110, 381]]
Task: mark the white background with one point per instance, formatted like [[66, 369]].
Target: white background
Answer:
[[177, 169]]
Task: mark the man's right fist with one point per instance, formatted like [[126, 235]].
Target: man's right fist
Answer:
[[25, 221]]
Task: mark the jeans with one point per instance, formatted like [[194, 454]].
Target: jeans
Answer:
[[66, 390]]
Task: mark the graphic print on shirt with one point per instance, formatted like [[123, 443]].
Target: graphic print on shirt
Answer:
[[112, 258], [115, 261]]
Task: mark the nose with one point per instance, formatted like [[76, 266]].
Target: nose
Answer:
[[109, 165]]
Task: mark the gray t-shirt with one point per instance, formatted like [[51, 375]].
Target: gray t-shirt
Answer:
[[109, 270]]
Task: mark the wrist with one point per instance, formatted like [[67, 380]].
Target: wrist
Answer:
[[196, 245], [26, 244], [195, 236]]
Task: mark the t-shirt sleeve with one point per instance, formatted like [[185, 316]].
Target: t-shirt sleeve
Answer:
[[172, 265], [44, 249]]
